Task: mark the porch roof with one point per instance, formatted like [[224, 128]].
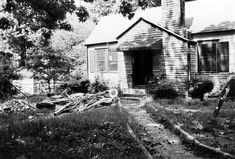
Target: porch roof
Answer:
[[145, 43]]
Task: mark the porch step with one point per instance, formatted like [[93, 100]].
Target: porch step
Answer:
[[134, 92], [134, 96]]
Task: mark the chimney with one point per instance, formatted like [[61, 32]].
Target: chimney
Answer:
[[175, 50], [173, 15]]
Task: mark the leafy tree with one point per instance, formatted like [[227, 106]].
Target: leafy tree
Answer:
[[49, 65], [30, 16]]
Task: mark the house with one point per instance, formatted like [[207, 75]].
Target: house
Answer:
[[188, 40]]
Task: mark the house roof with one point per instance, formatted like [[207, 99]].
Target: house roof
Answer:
[[110, 27], [201, 16], [139, 38]]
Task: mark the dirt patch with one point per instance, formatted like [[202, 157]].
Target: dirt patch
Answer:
[[218, 133], [158, 140]]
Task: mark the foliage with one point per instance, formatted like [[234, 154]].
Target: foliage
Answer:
[[48, 64], [7, 75], [98, 85], [200, 87], [28, 17], [160, 87], [75, 87]]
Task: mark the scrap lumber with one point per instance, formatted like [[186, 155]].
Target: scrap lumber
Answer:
[[80, 102]]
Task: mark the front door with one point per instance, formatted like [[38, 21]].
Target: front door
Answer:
[[142, 67]]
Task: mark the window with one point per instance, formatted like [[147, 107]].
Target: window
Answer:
[[103, 60], [213, 57]]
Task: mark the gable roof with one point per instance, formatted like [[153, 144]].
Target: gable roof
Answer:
[[141, 35], [110, 27], [201, 16], [155, 26]]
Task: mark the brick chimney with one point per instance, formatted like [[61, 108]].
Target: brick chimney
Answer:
[[173, 15], [174, 49]]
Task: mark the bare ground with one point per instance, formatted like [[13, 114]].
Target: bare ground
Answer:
[[161, 142]]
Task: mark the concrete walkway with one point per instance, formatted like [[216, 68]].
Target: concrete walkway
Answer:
[[164, 144]]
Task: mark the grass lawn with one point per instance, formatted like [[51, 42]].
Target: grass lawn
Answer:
[[195, 117], [97, 134]]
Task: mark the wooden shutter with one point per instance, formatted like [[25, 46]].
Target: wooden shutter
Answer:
[[223, 57], [207, 57], [93, 61]]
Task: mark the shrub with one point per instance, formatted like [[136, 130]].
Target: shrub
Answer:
[[75, 87], [200, 87], [98, 85], [161, 88], [7, 75]]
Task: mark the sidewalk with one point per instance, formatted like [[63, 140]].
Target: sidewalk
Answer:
[[160, 142]]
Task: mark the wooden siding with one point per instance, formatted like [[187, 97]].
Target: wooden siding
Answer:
[[141, 33]]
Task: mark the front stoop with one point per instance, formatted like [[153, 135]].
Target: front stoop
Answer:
[[134, 92]]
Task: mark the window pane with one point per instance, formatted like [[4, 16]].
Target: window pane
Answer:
[[113, 66], [223, 57], [92, 61], [207, 57], [101, 66], [113, 61], [101, 60]]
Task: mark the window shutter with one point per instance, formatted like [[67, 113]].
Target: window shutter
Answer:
[[223, 57], [92, 61], [207, 58]]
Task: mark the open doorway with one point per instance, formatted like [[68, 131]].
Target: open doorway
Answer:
[[142, 67]]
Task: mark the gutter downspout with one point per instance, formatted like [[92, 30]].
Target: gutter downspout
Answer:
[[87, 63]]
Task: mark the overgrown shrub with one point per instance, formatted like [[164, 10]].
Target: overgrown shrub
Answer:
[[161, 88], [98, 85], [75, 87], [200, 87]]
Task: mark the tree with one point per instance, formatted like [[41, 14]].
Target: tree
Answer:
[[49, 65], [30, 16], [7, 75]]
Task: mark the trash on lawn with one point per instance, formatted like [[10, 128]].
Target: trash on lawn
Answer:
[[16, 106], [79, 101]]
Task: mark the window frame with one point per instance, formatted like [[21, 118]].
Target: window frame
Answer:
[[217, 43], [94, 60]]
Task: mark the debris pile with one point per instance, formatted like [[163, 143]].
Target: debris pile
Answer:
[[16, 106], [79, 102]]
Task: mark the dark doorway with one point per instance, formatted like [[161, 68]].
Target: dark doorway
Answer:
[[142, 67]]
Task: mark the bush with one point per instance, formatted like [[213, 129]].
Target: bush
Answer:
[[200, 87], [7, 75], [161, 88], [75, 87], [98, 85]]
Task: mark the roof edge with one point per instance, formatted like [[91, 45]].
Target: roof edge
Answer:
[[100, 43], [215, 31]]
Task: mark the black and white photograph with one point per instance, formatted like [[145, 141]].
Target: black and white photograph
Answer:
[[117, 79]]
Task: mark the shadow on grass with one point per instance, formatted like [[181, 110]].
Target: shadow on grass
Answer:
[[100, 133]]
